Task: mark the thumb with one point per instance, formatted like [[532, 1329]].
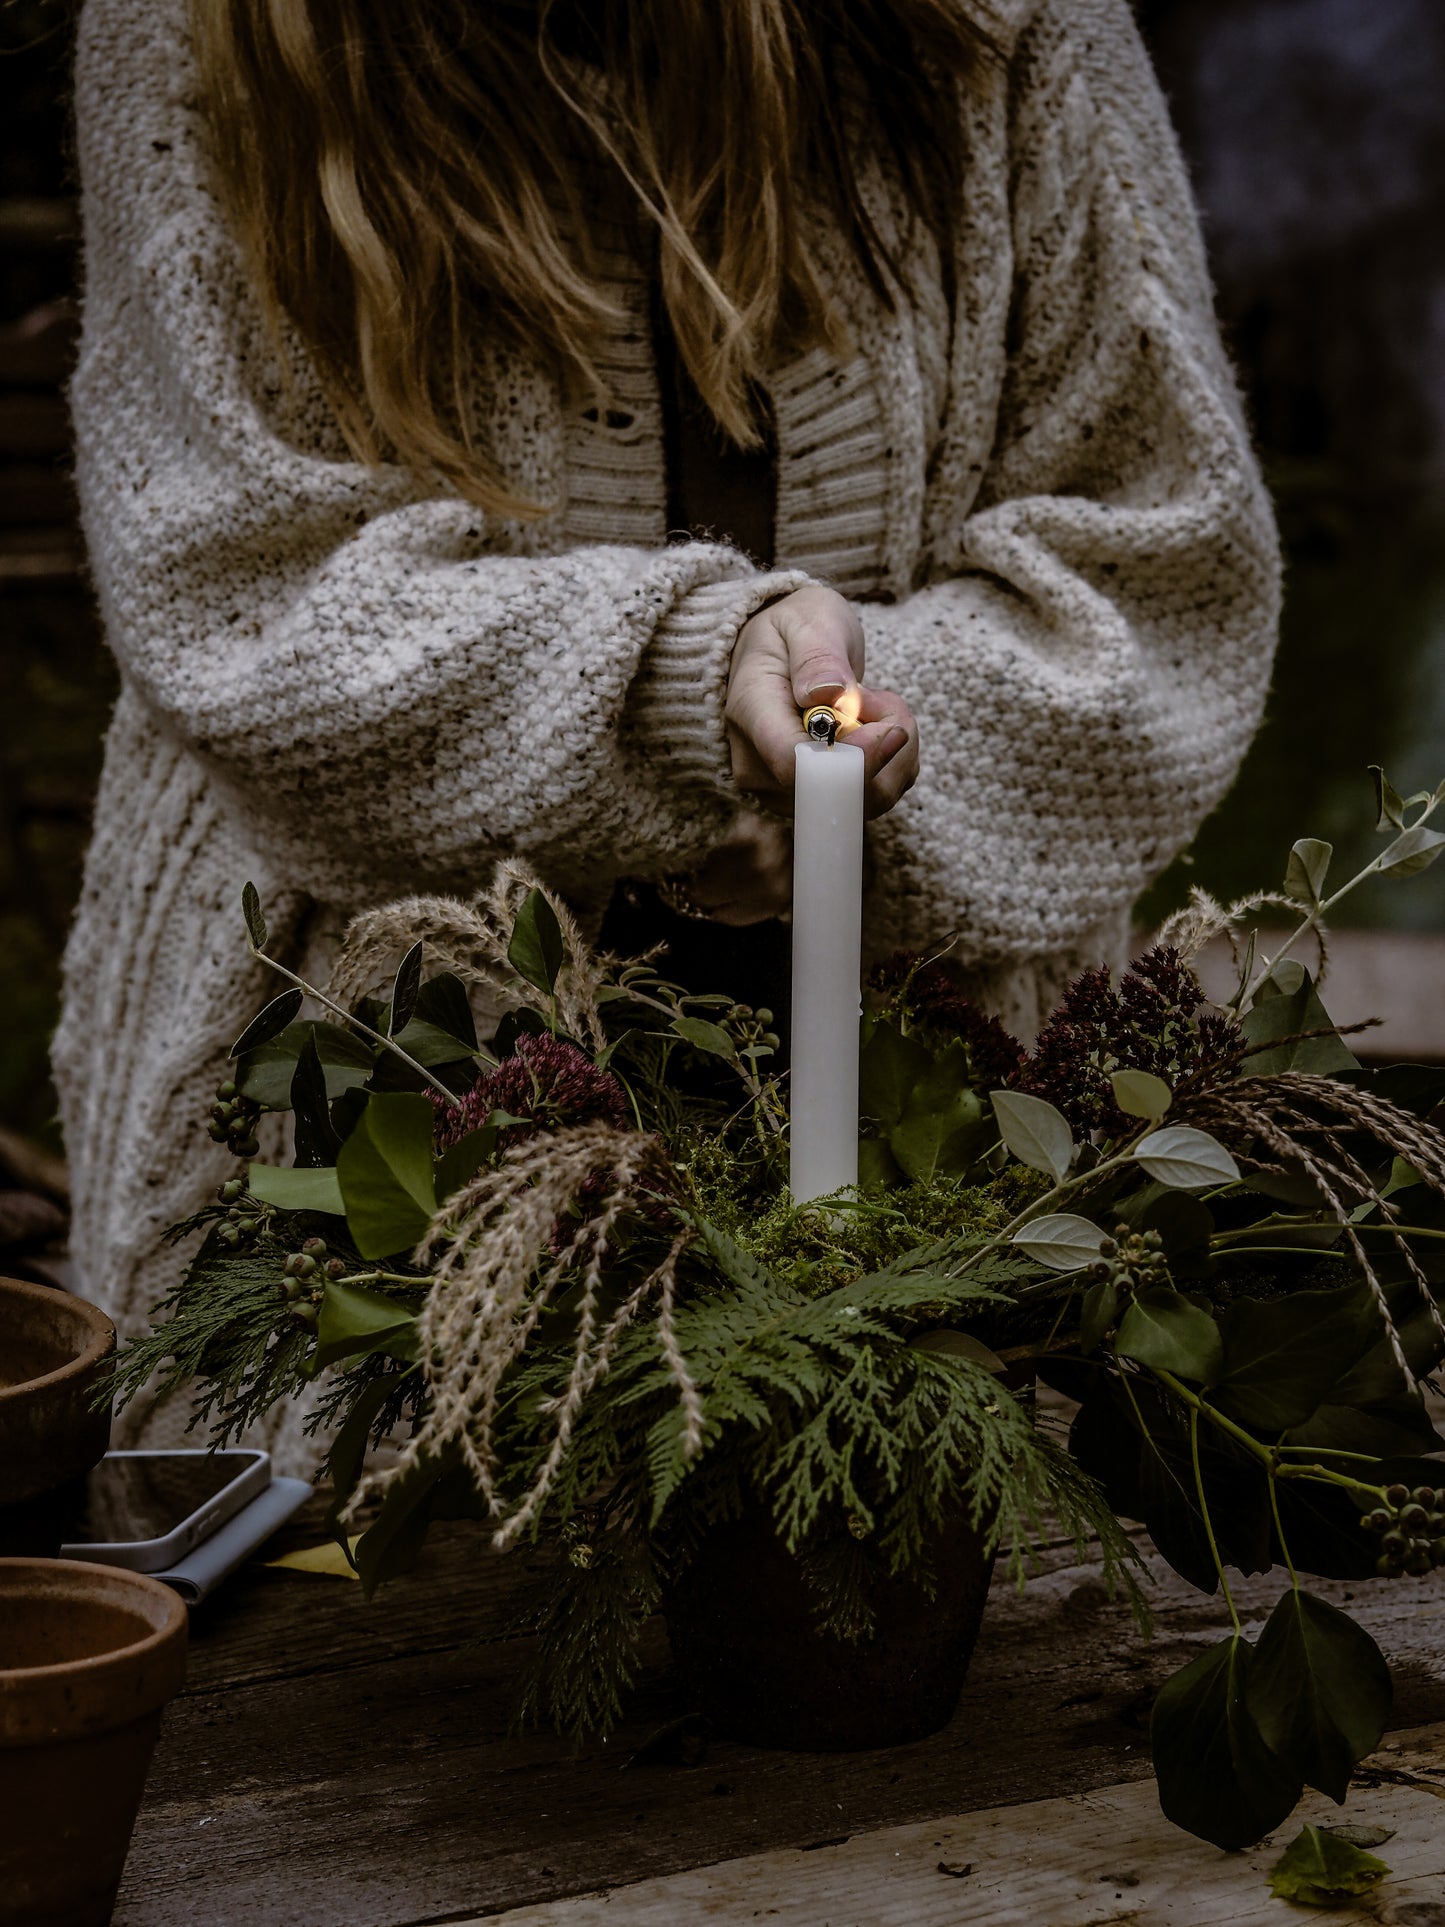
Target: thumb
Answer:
[[825, 649]]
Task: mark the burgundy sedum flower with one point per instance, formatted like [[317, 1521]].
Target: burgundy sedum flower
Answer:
[[927, 994], [546, 1082]]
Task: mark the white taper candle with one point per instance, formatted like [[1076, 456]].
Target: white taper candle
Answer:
[[827, 968]]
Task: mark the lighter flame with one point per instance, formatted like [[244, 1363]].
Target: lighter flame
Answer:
[[848, 708]]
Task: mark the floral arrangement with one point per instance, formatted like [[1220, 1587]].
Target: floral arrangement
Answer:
[[560, 1271]]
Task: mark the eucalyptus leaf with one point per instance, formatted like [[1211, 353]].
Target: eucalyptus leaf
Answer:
[[1141, 1093], [1319, 1691], [1036, 1133], [1164, 1330], [1186, 1159], [405, 990], [1412, 852], [1389, 805], [1321, 1868], [255, 922], [704, 1036], [1062, 1241], [385, 1173], [296, 1190], [267, 1023], [1217, 1778], [536, 950], [1304, 877]]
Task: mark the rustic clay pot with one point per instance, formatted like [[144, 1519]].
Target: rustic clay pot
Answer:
[[89, 1655], [742, 1619], [53, 1348]]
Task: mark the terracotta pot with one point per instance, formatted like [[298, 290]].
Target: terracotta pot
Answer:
[[742, 1620], [53, 1349], [89, 1655]]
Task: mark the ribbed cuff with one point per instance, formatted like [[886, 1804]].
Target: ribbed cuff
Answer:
[[681, 686]]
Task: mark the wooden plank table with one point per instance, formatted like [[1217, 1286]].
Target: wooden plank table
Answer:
[[344, 1765]]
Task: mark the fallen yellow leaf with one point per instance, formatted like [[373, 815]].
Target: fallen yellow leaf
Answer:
[[328, 1559]]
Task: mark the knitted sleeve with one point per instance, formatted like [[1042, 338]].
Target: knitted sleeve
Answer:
[[1089, 660], [377, 678]]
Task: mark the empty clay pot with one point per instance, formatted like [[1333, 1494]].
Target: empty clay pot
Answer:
[[53, 1349], [89, 1655]]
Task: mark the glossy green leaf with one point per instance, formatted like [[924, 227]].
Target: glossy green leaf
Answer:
[[1282, 1356], [405, 990], [347, 1455], [1183, 1222], [943, 1125], [704, 1036], [878, 1169], [390, 1545], [317, 1141], [267, 1023], [1186, 1159], [255, 922], [1036, 1133], [1061, 1241], [385, 1172], [1319, 1868], [1217, 1778], [355, 1322], [1304, 877], [1097, 1315], [1319, 1690], [264, 1074], [460, 1162], [536, 950], [1412, 852], [442, 1002], [296, 1190], [1164, 1330]]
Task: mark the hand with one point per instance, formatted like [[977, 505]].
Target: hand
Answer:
[[805, 649], [749, 876]]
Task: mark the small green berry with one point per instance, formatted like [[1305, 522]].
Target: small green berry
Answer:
[[231, 1190], [1418, 1561], [1397, 1495], [1376, 1521], [336, 1267], [315, 1247], [216, 1132], [226, 1091], [1395, 1542], [246, 1148], [1424, 1495], [1414, 1518]]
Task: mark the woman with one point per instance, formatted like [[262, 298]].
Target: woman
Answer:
[[378, 473]]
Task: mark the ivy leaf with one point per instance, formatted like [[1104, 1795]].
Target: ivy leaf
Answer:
[[405, 990], [1217, 1778], [385, 1172], [1185, 1159], [1097, 1314], [702, 1035], [255, 922], [1282, 1356], [1319, 1690], [296, 1190], [1164, 1330], [1141, 1093], [348, 1449], [1320, 1868], [943, 1124], [1411, 853], [1389, 805], [355, 1322], [1304, 877], [1276, 1022], [1062, 1241], [392, 1541], [267, 1023], [536, 950], [1036, 1133]]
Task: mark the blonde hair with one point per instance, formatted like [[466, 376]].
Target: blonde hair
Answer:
[[396, 168]]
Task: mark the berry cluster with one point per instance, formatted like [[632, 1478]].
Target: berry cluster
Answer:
[[233, 1121], [1411, 1525], [753, 1029], [245, 1216], [1131, 1260], [304, 1275]]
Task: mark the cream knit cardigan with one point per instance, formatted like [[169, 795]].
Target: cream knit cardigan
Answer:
[[345, 683]]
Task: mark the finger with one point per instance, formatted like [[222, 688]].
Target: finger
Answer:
[[891, 784], [764, 728], [825, 648]]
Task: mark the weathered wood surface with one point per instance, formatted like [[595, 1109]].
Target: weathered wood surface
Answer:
[[351, 1766], [1090, 1860]]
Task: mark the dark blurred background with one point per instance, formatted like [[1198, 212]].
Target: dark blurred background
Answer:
[[1315, 130]]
